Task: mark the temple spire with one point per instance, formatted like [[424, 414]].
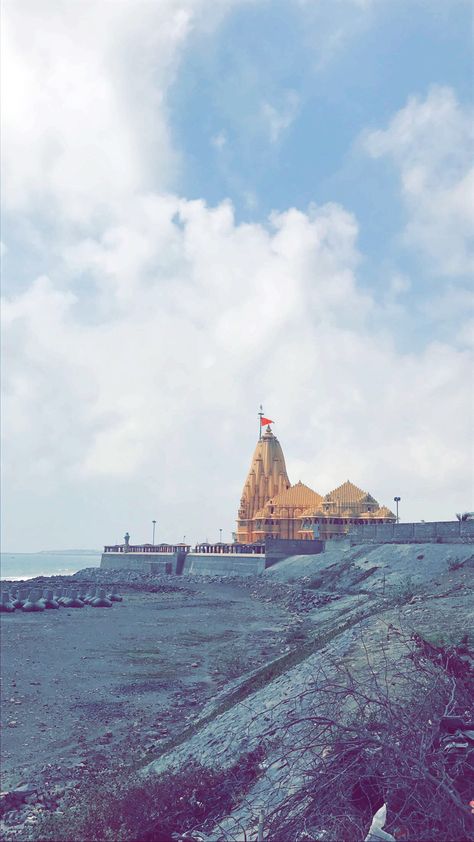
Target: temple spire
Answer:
[[267, 477]]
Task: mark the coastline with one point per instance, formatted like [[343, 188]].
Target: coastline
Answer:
[[84, 687], [23, 566]]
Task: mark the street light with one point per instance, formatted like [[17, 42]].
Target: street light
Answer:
[[153, 539], [220, 536], [396, 501]]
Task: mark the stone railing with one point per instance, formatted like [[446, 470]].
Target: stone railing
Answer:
[[209, 549], [147, 548]]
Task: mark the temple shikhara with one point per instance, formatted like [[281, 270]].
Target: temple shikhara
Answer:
[[271, 507]]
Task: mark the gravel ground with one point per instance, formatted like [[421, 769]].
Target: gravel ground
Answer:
[[80, 685], [84, 687]]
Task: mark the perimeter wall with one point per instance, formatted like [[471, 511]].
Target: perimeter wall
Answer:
[[436, 532], [147, 562]]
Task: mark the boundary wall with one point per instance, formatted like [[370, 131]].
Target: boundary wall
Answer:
[[212, 563], [436, 532], [276, 549], [146, 562], [224, 564]]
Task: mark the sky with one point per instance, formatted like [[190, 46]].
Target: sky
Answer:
[[208, 205]]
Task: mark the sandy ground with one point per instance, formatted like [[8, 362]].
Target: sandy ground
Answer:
[[79, 685]]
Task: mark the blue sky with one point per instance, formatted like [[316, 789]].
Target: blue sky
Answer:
[[266, 50], [210, 204], [273, 51]]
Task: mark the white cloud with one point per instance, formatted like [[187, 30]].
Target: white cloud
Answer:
[[452, 308], [196, 328], [399, 284], [84, 100], [278, 118], [132, 366], [219, 140], [430, 142]]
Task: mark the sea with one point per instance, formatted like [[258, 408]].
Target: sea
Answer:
[[15, 566]]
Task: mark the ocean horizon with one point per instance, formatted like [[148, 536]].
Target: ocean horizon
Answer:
[[15, 566]]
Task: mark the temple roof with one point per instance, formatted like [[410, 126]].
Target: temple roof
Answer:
[[347, 493], [370, 500], [383, 512], [298, 495]]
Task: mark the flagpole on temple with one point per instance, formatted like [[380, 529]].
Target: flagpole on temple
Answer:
[[260, 416]]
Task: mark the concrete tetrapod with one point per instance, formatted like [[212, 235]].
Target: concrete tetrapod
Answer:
[[33, 603], [15, 598], [66, 594], [6, 605], [62, 594], [73, 601], [48, 600], [12, 596], [114, 596], [101, 601], [21, 598], [91, 594]]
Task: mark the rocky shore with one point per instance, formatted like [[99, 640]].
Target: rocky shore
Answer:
[[194, 668], [83, 687]]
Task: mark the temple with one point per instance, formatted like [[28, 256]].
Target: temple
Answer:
[[270, 507]]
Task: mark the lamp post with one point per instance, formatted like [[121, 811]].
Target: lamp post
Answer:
[[153, 539], [220, 536], [396, 501]]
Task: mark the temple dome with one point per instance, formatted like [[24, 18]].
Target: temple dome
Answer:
[[347, 493], [384, 512], [299, 495]]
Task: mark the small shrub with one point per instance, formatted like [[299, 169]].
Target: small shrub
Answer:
[[232, 664], [315, 582], [371, 744], [406, 590], [296, 636], [455, 564], [446, 638], [128, 808]]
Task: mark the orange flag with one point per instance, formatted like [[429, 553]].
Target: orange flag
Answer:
[[266, 421]]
